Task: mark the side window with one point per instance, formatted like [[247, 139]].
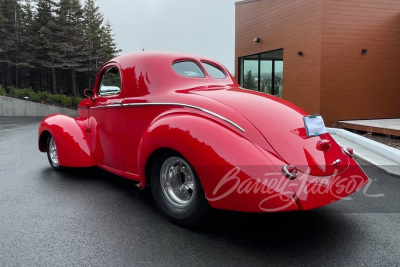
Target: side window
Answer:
[[110, 82], [214, 71], [188, 69]]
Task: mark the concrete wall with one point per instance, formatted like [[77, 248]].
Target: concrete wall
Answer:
[[16, 107]]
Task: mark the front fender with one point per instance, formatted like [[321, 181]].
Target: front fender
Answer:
[[72, 142], [221, 157]]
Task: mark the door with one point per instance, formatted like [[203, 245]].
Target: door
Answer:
[[106, 119]]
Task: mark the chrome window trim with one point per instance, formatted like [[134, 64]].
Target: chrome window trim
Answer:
[[107, 70]]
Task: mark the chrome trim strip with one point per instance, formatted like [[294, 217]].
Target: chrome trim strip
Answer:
[[107, 106], [347, 152], [188, 106]]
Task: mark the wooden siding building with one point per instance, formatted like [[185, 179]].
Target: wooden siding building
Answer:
[[337, 58]]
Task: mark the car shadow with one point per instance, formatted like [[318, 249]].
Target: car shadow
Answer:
[[102, 179], [302, 237], [326, 231]]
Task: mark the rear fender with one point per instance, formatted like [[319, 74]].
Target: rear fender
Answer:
[[222, 158], [71, 140]]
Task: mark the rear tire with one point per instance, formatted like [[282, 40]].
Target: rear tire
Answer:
[[177, 190], [52, 153]]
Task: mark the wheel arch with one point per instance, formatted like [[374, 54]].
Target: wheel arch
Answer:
[[151, 161], [70, 137], [43, 137], [212, 149], [174, 133]]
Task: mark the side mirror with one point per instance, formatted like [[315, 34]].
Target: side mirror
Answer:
[[88, 93]]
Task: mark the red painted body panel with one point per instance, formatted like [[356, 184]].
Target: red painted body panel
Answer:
[[237, 140], [70, 138]]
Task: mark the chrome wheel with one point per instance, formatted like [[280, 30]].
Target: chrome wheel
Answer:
[[52, 153], [177, 182], [177, 189]]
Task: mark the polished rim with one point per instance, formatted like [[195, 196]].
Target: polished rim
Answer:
[[53, 152], [177, 182]]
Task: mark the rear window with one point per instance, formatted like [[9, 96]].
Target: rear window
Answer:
[[188, 69], [214, 71]]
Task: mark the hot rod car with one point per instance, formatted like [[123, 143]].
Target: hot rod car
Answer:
[[183, 126]]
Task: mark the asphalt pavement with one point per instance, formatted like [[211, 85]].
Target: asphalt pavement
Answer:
[[88, 217]]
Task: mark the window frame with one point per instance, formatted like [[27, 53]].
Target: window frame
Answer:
[[104, 73], [258, 58]]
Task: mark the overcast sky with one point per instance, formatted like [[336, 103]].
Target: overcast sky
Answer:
[[202, 27]]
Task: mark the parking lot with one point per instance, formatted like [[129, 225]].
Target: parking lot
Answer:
[[87, 217]]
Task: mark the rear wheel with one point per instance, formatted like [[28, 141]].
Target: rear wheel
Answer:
[[177, 190], [52, 153]]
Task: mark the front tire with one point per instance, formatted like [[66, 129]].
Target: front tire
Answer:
[[177, 190], [52, 153]]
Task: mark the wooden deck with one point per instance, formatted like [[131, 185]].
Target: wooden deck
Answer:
[[382, 126]]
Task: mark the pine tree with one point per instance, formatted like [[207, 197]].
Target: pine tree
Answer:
[[9, 13], [109, 47], [249, 81], [72, 47], [93, 26], [266, 85], [26, 57], [46, 42], [52, 45]]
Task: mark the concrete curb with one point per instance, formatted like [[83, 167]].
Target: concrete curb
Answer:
[[375, 147], [381, 156], [17, 107]]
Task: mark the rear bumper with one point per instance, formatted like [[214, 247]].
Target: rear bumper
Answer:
[[312, 191], [275, 193]]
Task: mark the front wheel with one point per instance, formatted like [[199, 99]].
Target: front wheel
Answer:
[[177, 190], [52, 153]]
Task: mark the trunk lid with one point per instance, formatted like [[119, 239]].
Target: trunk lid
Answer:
[[281, 123]]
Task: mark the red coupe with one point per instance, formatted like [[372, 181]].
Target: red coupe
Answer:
[[183, 126]]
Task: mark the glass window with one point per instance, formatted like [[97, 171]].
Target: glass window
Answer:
[[188, 69], [266, 76], [278, 79], [214, 71], [250, 74], [110, 82], [262, 72]]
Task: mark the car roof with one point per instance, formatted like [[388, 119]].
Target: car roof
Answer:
[[153, 70], [126, 60]]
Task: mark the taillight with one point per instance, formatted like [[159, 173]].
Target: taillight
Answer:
[[290, 171], [324, 144]]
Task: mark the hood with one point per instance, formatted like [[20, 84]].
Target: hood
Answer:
[[281, 124]]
